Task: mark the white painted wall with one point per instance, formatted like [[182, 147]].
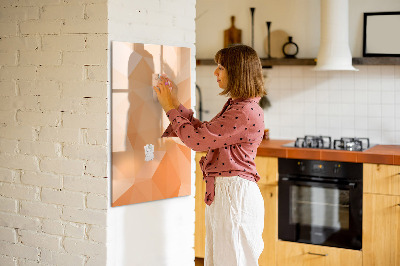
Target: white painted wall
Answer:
[[338, 104], [159, 232], [299, 18]]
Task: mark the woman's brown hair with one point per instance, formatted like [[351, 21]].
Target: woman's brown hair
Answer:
[[245, 78]]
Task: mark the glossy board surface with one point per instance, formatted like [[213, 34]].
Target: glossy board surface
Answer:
[[146, 167]]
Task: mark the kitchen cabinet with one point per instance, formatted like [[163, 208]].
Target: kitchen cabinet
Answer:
[[298, 254], [381, 215], [381, 221], [270, 233], [200, 207], [267, 168], [381, 179], [381, 230]]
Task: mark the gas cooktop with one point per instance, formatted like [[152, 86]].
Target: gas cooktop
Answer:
[[325, 142]]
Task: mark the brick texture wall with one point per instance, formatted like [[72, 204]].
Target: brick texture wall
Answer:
[[53, 132]]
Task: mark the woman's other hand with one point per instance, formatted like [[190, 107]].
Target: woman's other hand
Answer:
[[164, 95]]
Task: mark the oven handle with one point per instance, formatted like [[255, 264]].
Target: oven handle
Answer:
[[298, 181]]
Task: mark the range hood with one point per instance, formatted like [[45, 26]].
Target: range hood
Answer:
[[334, 51]]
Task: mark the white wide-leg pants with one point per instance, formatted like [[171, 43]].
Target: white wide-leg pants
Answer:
[[234, 223]]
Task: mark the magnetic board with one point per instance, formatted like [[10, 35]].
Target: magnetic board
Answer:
[[146, 167]]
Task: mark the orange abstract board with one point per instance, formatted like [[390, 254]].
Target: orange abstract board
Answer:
[[146, 167]]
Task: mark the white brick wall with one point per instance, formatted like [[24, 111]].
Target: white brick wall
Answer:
[[53, 128], [53, 110]]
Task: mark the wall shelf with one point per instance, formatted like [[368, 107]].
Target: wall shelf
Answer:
[[312, 61], [376, 61]]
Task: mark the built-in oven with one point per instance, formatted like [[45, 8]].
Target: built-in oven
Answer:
[[320, 202]]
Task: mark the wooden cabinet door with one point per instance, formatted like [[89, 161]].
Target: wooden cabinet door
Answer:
[[270, 233], [267, 168], [200, 207], [381, 179], [381, 230], [298, 254]]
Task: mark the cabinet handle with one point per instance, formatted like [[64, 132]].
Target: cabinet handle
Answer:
[[318, 254]]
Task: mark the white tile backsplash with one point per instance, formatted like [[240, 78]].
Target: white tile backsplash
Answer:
[[360, 97], [388, 97], [374, 83], [297, 83], [375, 136], [347, 110], [348, 96], [310, 108], [388, 84], [387, 72], [397, 72], [374, 110], [348, 123], [361, 125], [322, 108], [322, 95], [390, 136], [322, 121], [374, 123], [397, 123], [388, 110], [397, 111], [334, 108], [397, 95], [387, 124], [361, 110], [364, 103], [335, 95], [374, 97]]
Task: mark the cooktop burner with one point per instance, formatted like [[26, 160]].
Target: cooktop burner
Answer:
[[324, 142], [321, 142], [351, 144]]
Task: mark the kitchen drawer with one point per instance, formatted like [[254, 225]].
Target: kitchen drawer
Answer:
[[267, 168], [270, 233], [381, 179], [298, 254]]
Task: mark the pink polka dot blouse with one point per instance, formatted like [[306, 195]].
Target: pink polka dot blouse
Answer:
[[231, 139]]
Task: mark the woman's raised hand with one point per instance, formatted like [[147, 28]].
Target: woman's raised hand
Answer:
[[164, 95], [174, 89]]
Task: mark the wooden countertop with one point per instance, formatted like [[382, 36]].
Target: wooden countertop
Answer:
[[379, 154]]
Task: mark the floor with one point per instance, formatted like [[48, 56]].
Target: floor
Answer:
[[199, 262]]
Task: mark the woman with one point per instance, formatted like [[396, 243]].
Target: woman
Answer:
[[235, 207]]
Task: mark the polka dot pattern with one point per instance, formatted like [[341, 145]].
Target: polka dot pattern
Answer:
[[231, 139]]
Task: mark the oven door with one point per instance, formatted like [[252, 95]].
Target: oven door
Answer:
[[321, 212]]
